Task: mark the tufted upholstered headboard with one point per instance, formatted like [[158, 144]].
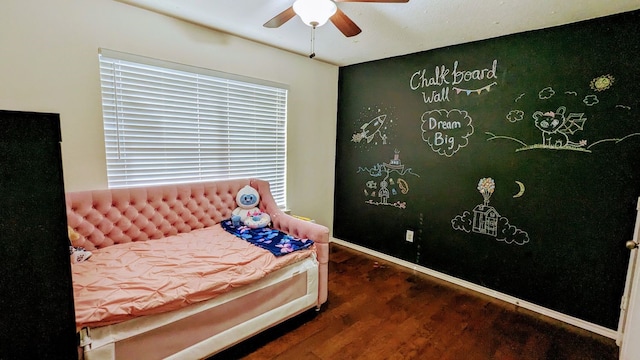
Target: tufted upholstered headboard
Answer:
[[107, 217]]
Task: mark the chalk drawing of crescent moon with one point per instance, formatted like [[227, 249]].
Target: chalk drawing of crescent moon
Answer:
[[521, 192]]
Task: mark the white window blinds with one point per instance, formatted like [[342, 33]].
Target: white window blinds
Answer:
[[169, 123]]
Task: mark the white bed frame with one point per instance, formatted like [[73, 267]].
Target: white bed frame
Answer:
[[211, 326]]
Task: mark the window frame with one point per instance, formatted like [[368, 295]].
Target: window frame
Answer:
[[249, 114]]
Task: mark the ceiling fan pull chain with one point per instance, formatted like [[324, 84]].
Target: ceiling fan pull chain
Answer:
[[313, 42]]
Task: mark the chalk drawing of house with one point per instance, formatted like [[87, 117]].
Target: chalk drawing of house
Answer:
[[485, 220]]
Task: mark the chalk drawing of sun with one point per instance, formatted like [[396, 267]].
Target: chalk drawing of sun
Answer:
[[602, 83]]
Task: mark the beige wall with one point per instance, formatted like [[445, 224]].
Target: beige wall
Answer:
[[49, 63]]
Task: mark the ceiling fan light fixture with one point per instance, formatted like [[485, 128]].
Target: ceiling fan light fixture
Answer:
[[314, 12]]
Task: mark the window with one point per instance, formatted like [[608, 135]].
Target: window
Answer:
[[170, 123]]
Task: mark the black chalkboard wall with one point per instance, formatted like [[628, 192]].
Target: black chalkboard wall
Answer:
[[514, 160]]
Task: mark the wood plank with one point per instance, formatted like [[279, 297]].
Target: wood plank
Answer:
[[379, 310]]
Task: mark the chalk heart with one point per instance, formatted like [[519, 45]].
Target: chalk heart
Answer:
[[446, 131]]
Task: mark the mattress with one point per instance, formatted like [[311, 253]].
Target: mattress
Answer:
[[199, 330], [126, 281]]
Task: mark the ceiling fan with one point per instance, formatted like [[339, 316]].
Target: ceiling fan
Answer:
[[316, 12]]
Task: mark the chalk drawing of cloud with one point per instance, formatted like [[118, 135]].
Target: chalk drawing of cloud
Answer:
[[590, 100], [515, 115], [546, 93], [446, 131], [463, 222], [511, 234]]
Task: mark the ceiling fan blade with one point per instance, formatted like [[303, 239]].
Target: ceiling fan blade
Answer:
[[374, 1], [281, 18], [345, 24]]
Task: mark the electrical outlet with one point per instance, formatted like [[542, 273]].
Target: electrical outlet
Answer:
[[409, 236]]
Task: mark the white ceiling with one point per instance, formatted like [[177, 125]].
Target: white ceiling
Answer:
[[388, 29]]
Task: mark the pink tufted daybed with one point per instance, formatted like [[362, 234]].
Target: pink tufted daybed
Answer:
[[166, 281]]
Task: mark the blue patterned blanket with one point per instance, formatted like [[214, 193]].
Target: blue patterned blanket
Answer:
[[277, 242]]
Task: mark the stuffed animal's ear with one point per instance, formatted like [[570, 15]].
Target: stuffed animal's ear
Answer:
[[73, 235]]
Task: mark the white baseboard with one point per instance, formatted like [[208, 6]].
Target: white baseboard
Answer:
[[601, 330]]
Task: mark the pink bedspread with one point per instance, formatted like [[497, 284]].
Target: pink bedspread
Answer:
[[128, 280]]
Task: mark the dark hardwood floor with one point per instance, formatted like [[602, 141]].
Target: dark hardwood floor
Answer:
[[379, 310]]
